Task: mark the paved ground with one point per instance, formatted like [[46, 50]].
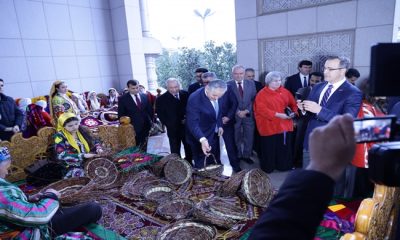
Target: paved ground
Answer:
[[159, 145]]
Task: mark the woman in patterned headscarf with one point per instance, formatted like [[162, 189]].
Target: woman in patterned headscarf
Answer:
[[32, 217], [60, 101], [73, 144]]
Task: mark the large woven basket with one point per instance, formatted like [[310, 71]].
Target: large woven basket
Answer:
[[256, 188], [69, 188], [210, 170], [187, 229], [177, 171], [158, 167], [102, 171], [203, 213], [231, 185], [175, 209]]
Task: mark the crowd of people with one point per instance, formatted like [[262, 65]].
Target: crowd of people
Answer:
[[272, 120]]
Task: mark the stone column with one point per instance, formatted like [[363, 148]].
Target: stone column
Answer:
[[151, 72]]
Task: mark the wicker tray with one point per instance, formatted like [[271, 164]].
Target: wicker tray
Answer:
[[158, 193], [177, 171], [231, 186], [187, 229], [69, 188], [175, 209], [102, 171], [158, 167], [226, 208], [256, 188]]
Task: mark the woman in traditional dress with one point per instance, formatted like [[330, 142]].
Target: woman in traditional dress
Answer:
[[73, 145], [37, 216], [36, 119], [111, 100], [80, 102], [92, 101], [274, 108], [60, 102]]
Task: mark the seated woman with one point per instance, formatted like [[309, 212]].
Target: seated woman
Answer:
[[36, 118], [111, 100], [38, 216], [92, 101], [60, 102], [80, 102], [73, 145]]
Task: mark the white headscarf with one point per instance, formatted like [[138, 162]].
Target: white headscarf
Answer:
[[94, 102]]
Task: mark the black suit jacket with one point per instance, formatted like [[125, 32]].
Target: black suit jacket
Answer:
[[293, 83], [172, 111], [229, 106], [297, 209], [193, 87], [141, 119]]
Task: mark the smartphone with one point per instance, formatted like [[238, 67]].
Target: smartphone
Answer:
[[375, 129]]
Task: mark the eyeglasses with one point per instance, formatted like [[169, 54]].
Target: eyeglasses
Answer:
[[330, 69]]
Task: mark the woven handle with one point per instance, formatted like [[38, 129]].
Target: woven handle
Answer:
[[205, 159]]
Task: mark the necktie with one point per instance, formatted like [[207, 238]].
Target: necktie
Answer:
[[216, 108], [176, 96], [138, 103], [240, 89], [305, 82], [326, 95]]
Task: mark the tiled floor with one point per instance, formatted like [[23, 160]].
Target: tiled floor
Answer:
[[159, 145]]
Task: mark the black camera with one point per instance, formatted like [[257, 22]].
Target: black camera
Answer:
[[384, 158]]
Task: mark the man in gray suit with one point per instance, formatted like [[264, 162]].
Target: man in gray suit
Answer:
[[245, 92]]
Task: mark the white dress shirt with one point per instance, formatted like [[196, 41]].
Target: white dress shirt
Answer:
[[335, 86]]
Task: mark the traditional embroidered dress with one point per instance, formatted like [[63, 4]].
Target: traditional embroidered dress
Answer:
[[17, 214], [70, 151], [61, 103]]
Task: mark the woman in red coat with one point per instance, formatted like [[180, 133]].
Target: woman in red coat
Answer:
[[274, 109]]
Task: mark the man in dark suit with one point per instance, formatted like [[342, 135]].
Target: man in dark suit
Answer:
[[171, 109], [136, 106], [302, 120], [229, 106], [204, 122], [307, 193], [198, 84], [334, 97], [250, 74], [300, 79]]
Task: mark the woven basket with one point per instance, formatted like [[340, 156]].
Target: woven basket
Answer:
[[210, 170], [102, 171], [203, 213], [226, 208], [177, 171], [158, 193], [158, 167], [187, 229], [256, 188], [231, 186], [175, 209], [69, 188]]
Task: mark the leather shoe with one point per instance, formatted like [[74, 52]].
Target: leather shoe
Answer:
[[247, 160]]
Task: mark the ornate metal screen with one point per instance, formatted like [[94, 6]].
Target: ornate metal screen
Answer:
[[270, 6], [283, 54]]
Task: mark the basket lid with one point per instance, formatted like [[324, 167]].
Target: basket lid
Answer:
[[177, 171]]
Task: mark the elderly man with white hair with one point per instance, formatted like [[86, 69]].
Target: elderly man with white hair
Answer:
[[171, 110]]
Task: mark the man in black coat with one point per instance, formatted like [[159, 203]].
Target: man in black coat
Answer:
[[198, 84], [300, 79], [298, 208], [171, 109], [10, 116], [137, 106]]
